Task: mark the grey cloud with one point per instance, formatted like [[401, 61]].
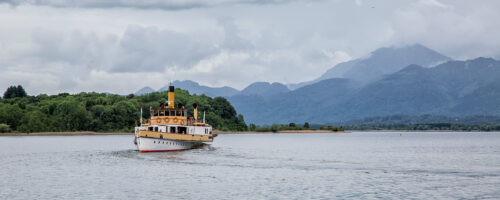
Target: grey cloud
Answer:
[[232, 38], [151, 49], [75, 47], [145, 4]]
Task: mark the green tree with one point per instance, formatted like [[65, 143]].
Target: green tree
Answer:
[[13, 92], [11, 115], [306, 125], [252, 127], [274, 128], [71, 115], [33, 122], [20, 91], [5, 128]]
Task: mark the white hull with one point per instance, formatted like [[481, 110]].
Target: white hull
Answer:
[[156, 145]]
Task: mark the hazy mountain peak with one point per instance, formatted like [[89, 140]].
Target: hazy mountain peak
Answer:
[[144, 90], [264, 89], [385, 61], [196, 88], [381, 62], [186, 83]]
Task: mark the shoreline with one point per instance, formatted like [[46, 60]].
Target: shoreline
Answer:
[[76, 133], [279, 132], [67, 133]]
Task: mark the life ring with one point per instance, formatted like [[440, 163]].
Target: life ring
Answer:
[[182, 122], [176, 120], [166, 119], [158, 120]]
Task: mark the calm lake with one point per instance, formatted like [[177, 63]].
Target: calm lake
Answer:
[[255, 166]]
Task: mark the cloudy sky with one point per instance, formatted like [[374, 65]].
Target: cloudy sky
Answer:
[[120, 46]]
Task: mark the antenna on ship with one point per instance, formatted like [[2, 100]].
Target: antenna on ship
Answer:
[[203, 117]]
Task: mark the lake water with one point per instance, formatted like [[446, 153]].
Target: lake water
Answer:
[[255, 166]]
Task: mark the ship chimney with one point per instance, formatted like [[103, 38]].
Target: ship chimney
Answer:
[[195, 111], [171, 96]]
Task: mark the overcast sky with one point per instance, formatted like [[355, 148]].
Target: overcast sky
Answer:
[[120, 46]]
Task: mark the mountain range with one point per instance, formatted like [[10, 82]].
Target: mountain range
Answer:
[[410, 80], [379, 63], [194, 88]]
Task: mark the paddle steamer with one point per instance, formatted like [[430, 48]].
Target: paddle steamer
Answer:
[[170, 129]]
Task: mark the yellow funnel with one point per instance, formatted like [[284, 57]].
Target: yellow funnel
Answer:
[[171, 97]]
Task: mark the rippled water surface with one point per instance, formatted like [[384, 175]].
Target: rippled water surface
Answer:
[[281, 166]]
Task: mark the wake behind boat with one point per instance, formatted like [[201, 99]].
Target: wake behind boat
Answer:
[[169, 128]]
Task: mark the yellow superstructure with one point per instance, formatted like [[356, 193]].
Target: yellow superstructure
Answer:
[[174, 136], [168, 120]]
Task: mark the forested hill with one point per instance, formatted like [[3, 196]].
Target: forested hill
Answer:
[[105, 112]]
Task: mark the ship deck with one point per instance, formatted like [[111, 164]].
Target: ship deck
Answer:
[[175, 136]]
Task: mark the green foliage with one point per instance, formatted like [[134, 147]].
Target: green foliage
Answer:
[[252, 127], [4, 128], [274, 128], [13, 92], [106, 112], [34, 121], [11, 114], [306, 125]]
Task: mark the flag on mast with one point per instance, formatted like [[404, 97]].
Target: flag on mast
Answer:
[[140, 120]]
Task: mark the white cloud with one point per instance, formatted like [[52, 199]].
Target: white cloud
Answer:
[[358, 2], [435, 3]]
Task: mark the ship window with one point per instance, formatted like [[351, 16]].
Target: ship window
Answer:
[[150, 128], [154, 141], [181, 129]]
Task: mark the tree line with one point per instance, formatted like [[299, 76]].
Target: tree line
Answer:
[[292, 126], [91, 111]]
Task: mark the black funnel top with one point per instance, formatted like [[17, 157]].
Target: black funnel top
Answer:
[[171, 88]]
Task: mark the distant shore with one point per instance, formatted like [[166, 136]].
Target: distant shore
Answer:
[[284, 131]]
